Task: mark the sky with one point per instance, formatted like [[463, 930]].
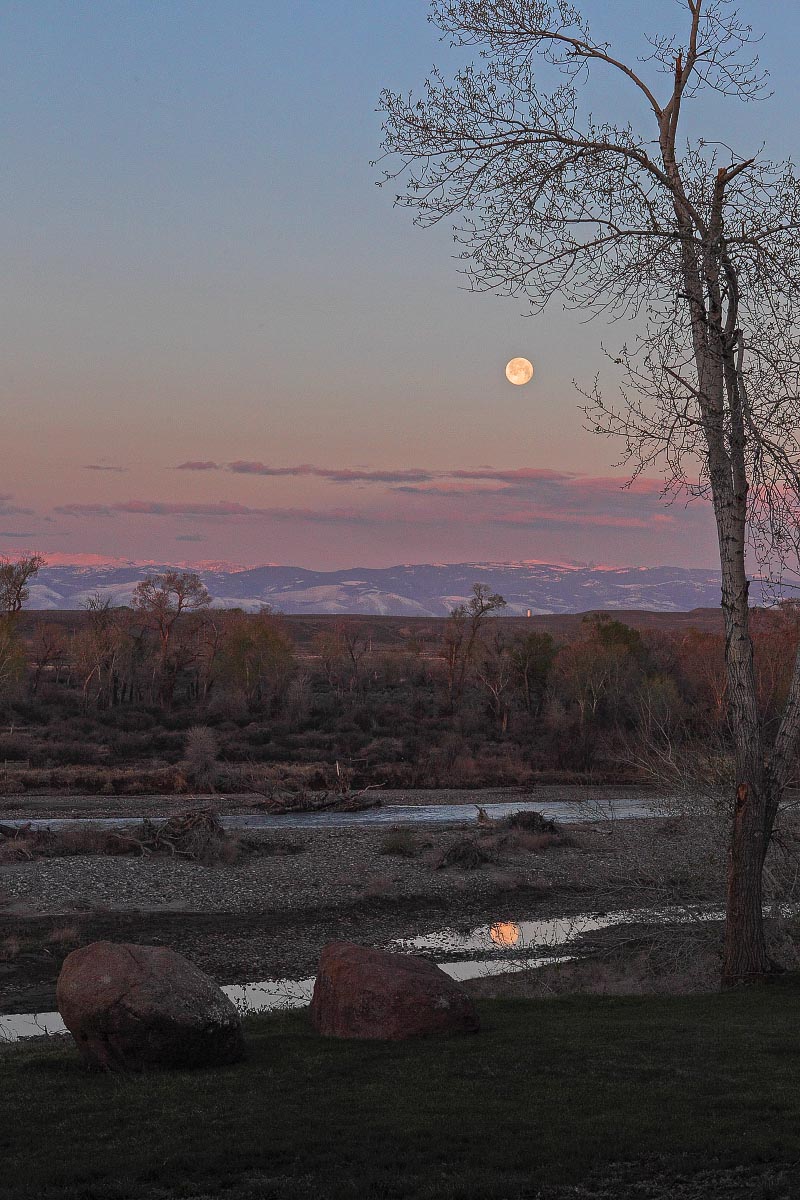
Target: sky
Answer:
[[221, 342]]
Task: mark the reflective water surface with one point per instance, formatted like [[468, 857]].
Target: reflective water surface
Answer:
[[507, 946], [565, 811]]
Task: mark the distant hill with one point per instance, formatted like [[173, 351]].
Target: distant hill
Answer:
[[418, 590]]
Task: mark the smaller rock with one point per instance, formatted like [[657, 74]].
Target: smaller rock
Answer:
[[364, 993], [131, 1007]]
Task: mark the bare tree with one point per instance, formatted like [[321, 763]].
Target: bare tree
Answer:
[[14, 580], [12, 658], [14, 591], [356, 643], [494, 669], [461, 635], [48, 652], [98, 649], [697, 243], [162, 599], [257, 656], [531, 659]]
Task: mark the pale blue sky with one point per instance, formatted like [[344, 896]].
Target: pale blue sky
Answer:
[[198, 266]]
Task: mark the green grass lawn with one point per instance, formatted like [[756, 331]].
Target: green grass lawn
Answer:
[[547, 1092]]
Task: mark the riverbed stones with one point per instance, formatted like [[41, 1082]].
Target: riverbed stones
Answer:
[[365, 993], [132, 1007]]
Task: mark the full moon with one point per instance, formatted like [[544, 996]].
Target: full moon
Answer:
[[519, 371]]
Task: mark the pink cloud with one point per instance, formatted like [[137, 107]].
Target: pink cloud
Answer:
[[532, 517], [84, 510], [171, 508], [7, 509], [335, 474], [372, 475], [527, 508], [92, 560], [517, 475]]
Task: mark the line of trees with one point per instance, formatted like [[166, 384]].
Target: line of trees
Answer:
[[609, 697]]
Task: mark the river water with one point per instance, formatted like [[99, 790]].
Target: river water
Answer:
[[565, 812]]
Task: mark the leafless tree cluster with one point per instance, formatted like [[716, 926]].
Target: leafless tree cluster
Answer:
[[140, 654]]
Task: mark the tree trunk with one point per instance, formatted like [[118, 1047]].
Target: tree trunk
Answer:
[[745, 957], [745, 954]]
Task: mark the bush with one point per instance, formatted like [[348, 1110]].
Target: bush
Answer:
[[200, 757], [465, 853], [530, 822], [400, 842], [527, 831]]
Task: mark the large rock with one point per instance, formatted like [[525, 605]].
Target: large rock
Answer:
[[131, 1007], [363, 993]]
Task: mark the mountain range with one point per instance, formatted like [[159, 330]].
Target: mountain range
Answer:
[[412, 590]]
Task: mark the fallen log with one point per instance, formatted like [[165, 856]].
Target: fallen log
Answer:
[[317, 802]]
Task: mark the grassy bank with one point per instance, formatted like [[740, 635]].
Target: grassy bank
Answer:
[[549, 1092]]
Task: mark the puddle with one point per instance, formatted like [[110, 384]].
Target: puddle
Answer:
[[270, 995], [513, 938], [508, 946], [16, 1026], [267, 996], [479, 968]]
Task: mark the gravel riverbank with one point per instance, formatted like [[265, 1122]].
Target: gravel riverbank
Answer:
[[268, 914]]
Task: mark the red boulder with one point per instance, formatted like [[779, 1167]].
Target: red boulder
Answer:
[[364, 993], [131, 1007]]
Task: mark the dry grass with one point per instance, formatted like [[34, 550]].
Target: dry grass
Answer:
[[10, 948], [98, 781], [668, 960], [19, 849], [522, 843], [521, 833], [64, 935]]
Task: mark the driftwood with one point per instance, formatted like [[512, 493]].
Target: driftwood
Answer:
[[13, 832], [195, 834], [279, 804]]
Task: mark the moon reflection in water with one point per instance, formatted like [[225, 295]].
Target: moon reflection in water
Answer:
[[504, 933]]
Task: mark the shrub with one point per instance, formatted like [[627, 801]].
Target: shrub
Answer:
[[530, 822], [196, 834], [10, 948], [400, 842], [64, 935], [200, 756], [465, 853], [527, 831]]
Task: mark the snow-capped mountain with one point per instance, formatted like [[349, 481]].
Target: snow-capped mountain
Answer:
[[418, 590]]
